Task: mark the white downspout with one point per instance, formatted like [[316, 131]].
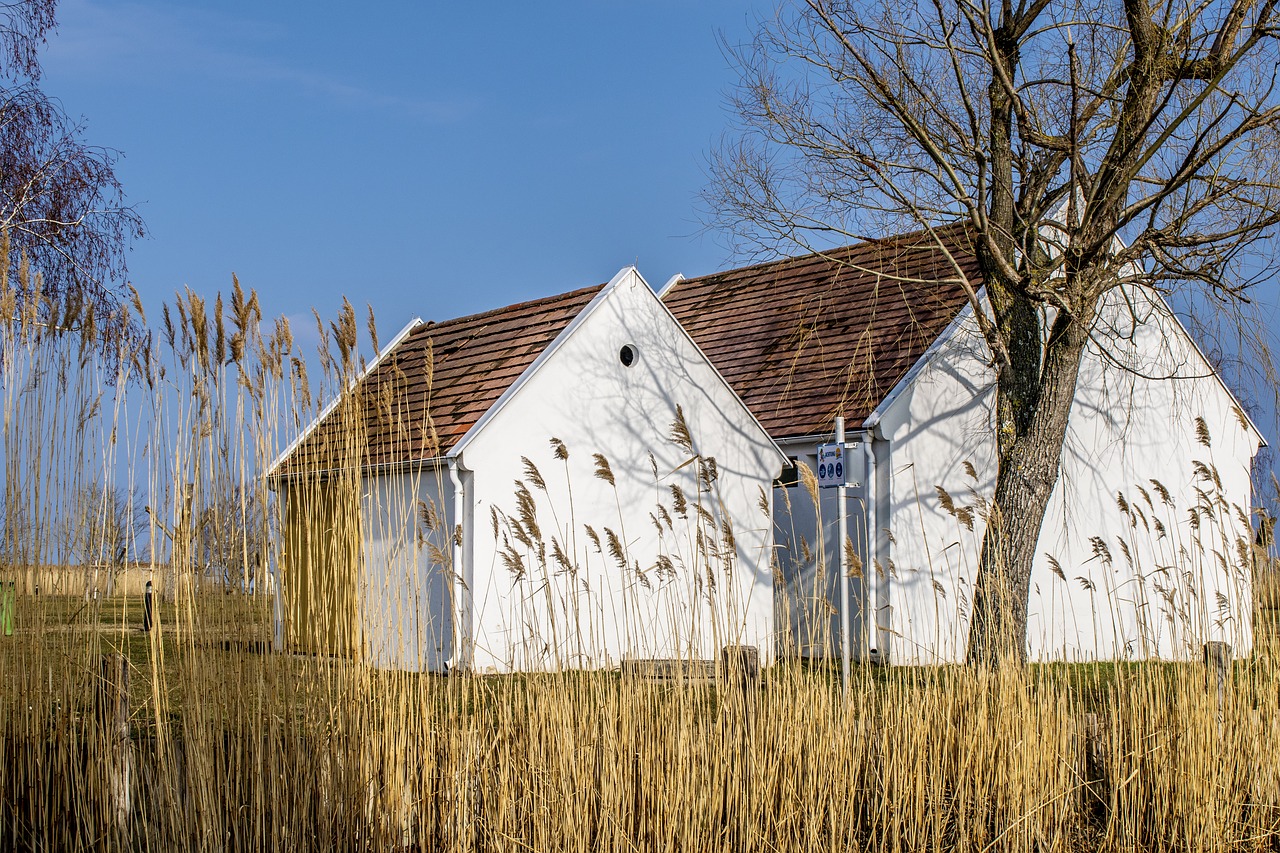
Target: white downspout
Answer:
[[277, 609], [462, 636]]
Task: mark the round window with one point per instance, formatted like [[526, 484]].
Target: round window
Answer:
[[628, 355]]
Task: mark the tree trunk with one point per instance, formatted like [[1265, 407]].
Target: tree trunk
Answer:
[[1031, 428]]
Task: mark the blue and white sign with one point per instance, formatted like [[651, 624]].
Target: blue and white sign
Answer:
[[831, 465], [841, 465]]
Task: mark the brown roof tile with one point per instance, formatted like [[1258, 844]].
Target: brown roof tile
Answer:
[[804, 339], [434, 385]]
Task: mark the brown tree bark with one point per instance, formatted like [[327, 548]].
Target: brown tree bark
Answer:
[[1031, 427]]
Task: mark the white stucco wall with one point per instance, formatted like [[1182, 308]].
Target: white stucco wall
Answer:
[[405, 596], [534, 610], [1133, 426]]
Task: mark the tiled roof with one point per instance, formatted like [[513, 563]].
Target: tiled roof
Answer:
[[804, 339], [434, 385]]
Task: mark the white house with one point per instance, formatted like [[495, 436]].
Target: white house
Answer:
[[1144, 548], [567, 482]]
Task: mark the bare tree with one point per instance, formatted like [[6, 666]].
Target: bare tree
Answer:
[[1084, 145], [16, 538], [231, 539], [106, 526]]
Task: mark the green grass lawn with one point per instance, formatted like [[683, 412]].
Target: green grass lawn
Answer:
[[232, 634]]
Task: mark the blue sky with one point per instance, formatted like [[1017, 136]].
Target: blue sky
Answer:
[[432, 159]]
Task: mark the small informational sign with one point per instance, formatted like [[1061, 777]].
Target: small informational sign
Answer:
[[841, 465], [831, 471]]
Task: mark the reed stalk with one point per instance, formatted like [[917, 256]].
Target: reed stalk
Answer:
[[231, 743]]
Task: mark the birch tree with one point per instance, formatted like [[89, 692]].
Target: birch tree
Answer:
[[1083, 146]]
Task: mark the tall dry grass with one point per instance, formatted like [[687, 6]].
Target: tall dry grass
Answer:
[[197, 735]]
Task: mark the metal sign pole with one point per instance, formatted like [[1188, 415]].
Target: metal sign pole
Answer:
[[845, 620]]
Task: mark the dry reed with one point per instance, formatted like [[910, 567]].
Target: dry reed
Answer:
[[217, 742]]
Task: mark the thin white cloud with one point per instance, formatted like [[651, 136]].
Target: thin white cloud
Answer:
[[142, 44]]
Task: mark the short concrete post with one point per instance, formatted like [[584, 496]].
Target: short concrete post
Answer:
[[113, 710], [740, 676], [1217, 663], [740, 668], [739, 684]]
